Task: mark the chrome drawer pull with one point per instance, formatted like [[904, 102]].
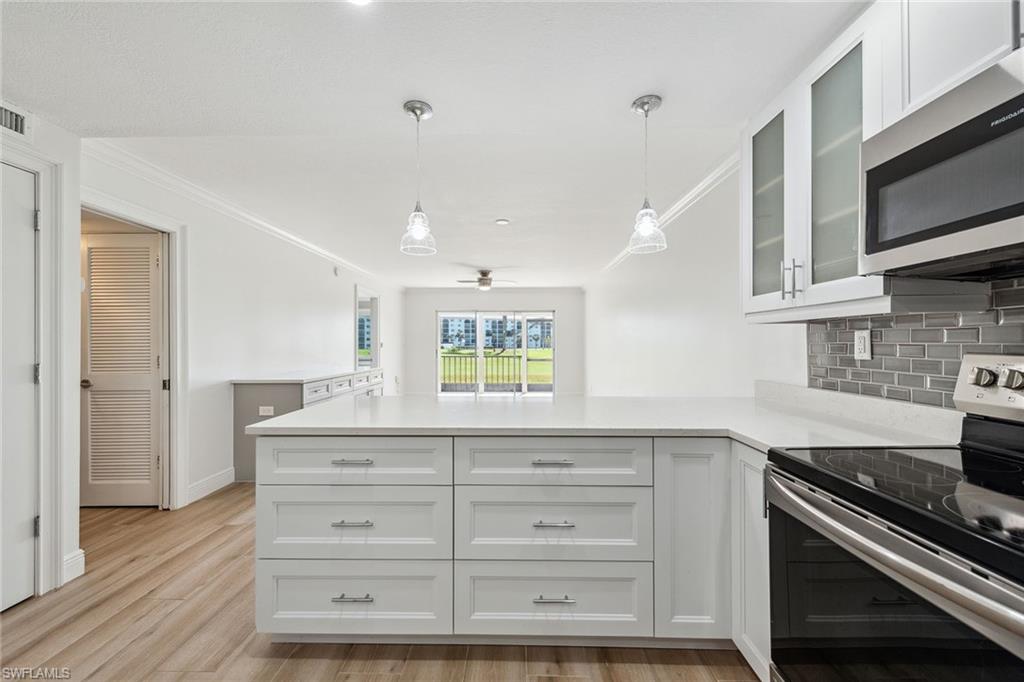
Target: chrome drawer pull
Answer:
[[360, 462], [564, 600], [555, 524], [342, 599], [352, 524], [553, 463]]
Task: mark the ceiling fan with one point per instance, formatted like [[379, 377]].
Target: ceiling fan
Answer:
[[484, 280]]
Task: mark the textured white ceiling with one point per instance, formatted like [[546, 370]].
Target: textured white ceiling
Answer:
[[292, 110]]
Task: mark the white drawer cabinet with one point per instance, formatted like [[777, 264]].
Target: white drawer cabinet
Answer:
[[553, 522], [315, 392], [354, 460], [354, 597], [354, 522], [691, 555], [553, 461], [573, 598]]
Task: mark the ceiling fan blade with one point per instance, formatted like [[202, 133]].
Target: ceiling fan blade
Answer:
[[466, 281]]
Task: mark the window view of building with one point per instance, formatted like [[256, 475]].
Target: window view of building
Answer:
[[494, 352]]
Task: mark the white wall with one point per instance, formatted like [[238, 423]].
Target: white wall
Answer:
[[257, 305], [420, 329], [672, 323]]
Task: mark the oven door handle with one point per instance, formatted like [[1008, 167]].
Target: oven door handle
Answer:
[[991, 607]]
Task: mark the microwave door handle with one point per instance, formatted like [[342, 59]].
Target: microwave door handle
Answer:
[[994, 609]]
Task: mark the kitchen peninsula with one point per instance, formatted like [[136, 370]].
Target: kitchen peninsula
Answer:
[[424, 518]]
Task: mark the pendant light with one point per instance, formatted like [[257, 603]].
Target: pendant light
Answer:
[[647, 235], [417, 240]]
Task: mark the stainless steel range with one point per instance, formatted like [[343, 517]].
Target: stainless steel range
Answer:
[[905, 563]]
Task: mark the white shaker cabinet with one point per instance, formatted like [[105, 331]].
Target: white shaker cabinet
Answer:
[[751, 611], [691, 537], [800, 168], [945, 43]]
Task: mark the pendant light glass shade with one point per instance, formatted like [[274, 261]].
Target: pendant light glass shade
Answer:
[[647, 235], [417, 240]]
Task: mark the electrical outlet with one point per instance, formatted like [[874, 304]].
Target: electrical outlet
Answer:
[[266, 410], [862, 344]]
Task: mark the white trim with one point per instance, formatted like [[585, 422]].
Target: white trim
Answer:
[[74, 566], [698, 192], [210, 484], [626, 642], [53, 443], [108, 153], [177, 264]]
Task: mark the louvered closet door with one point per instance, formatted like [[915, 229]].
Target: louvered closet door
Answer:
[[120, 342]]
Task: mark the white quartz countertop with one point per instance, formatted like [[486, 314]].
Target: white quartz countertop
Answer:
[[760, 424], [304, 376]]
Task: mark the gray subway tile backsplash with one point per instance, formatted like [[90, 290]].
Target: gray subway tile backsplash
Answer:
[[915, 357]]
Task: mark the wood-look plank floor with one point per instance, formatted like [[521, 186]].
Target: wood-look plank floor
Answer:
[[169, 596]]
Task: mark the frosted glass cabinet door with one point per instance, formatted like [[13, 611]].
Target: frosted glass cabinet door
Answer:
[[836, 133], [768, 225]]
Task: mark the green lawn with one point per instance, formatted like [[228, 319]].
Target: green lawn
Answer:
[[500, 366]]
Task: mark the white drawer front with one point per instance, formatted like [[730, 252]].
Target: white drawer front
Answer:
[[333, 460], [339, 386], [577, 598], [549, 522], [361, 380], [553, 461], [353, 597], [315, 392], [353, 522]]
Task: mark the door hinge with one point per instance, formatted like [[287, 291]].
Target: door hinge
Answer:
[[35, 373], [166, 384], [35, 220], [35, 527], [158, 260]]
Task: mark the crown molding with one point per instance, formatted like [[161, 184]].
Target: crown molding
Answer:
[[108, 153], [710, 181]]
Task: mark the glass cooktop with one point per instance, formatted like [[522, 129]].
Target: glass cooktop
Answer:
[[943, 493]]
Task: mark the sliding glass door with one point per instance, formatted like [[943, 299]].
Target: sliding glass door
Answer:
[[488, 352]]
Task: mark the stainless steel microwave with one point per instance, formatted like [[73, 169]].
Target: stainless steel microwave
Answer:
[[942, 190]]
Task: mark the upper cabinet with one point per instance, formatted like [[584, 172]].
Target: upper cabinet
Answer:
[[945, 43], [800, 158]]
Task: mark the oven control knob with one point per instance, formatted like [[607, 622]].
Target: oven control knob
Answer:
[[1012, 379], [982, 376]]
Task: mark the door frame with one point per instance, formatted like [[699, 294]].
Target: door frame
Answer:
[[54, 438], [174, 483]]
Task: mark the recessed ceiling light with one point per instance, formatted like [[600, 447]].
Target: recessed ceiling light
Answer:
[[502, 221], [361, 3]]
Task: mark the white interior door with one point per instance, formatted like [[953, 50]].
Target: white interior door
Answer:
[[121, 378], [20, 453]]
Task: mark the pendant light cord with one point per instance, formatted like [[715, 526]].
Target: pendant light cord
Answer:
[[645, 156], [418, 162]]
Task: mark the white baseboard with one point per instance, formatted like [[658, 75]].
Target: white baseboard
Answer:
[[210, 484], [74, 566], [626, 642]]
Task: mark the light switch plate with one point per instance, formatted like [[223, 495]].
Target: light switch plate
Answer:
[[862, 344], [266, 410]]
